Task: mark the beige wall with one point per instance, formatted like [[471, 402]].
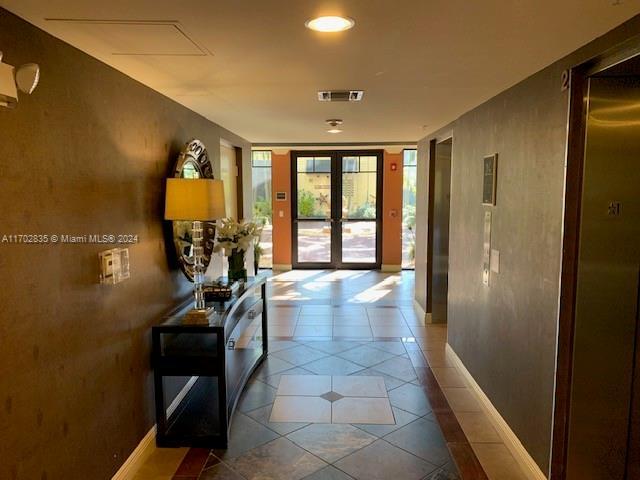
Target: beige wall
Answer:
[[229, 175]]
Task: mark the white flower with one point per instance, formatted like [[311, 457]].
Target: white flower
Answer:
[[243, 243], [231, 234]]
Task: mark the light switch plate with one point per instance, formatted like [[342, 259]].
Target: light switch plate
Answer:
[[114, 265], [495, 261], [486, 248]]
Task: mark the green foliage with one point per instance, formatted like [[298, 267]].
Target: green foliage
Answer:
[[409, 186], [262, 210], [306, 204], [366, 210], [257, 252], [409, 221], [409, 215]]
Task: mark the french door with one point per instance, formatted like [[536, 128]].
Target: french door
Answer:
[[336, 209]]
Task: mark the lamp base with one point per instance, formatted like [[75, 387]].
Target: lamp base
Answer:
[[197, 316]]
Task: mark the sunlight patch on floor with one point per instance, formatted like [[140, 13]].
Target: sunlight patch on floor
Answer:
[[296, 275], [340, 275], [369, 296]]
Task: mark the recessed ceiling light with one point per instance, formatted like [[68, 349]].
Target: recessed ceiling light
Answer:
[[330, 24], [334, 130]]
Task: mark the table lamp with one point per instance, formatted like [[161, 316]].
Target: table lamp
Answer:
[[196, 200]]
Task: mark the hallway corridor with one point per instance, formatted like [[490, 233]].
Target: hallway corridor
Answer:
[[351, 389], [204, 243]]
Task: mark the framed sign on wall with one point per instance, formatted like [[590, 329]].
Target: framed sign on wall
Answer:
[[490, 167]]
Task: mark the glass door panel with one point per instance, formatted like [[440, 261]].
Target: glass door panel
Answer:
[[314, 188], [409, 186], [359, 242], [359, 209], [359, 188], [313, 210], [314, 241], [336, 203]]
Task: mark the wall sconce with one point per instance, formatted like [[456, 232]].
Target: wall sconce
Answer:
[[25, 78]]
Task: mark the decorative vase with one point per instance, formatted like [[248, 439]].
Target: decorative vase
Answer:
[[236, 266]]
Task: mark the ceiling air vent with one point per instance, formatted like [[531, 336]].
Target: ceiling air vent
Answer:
[[341, 96]]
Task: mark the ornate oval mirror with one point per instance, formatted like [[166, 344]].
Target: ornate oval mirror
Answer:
[[193, 162]]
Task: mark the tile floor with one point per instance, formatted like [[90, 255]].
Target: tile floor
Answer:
[[331, 399], [356, 386], [325, 397]]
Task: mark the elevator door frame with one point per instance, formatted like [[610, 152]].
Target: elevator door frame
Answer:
[[437, 258], [576, 142]]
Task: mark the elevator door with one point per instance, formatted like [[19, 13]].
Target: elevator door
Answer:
[[441, 201], [607, 290]]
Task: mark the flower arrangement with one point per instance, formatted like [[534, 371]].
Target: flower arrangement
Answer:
[[235, 238], [233, 235]]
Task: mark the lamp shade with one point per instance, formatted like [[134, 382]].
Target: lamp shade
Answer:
[[194, 199]]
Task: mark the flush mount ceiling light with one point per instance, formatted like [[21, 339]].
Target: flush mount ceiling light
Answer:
[[333, 123], [330, 24]]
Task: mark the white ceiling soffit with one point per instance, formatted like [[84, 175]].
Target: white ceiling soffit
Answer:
[[421, 63], [131, 37], [387, 147]]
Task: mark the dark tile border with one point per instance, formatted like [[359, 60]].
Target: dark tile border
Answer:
[[192, 464], [459, 447]]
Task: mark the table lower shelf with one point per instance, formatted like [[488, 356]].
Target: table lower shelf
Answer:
[[197, 421]]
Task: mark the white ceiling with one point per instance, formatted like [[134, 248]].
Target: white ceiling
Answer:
[[253, 67]]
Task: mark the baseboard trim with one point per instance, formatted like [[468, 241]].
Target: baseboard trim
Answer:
[[419, 310], [282, 267], [389, 268], [510, 440], [147, 445], [140, 454]]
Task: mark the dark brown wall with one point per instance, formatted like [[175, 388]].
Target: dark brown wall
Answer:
[[505, 334], [86, 153]]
